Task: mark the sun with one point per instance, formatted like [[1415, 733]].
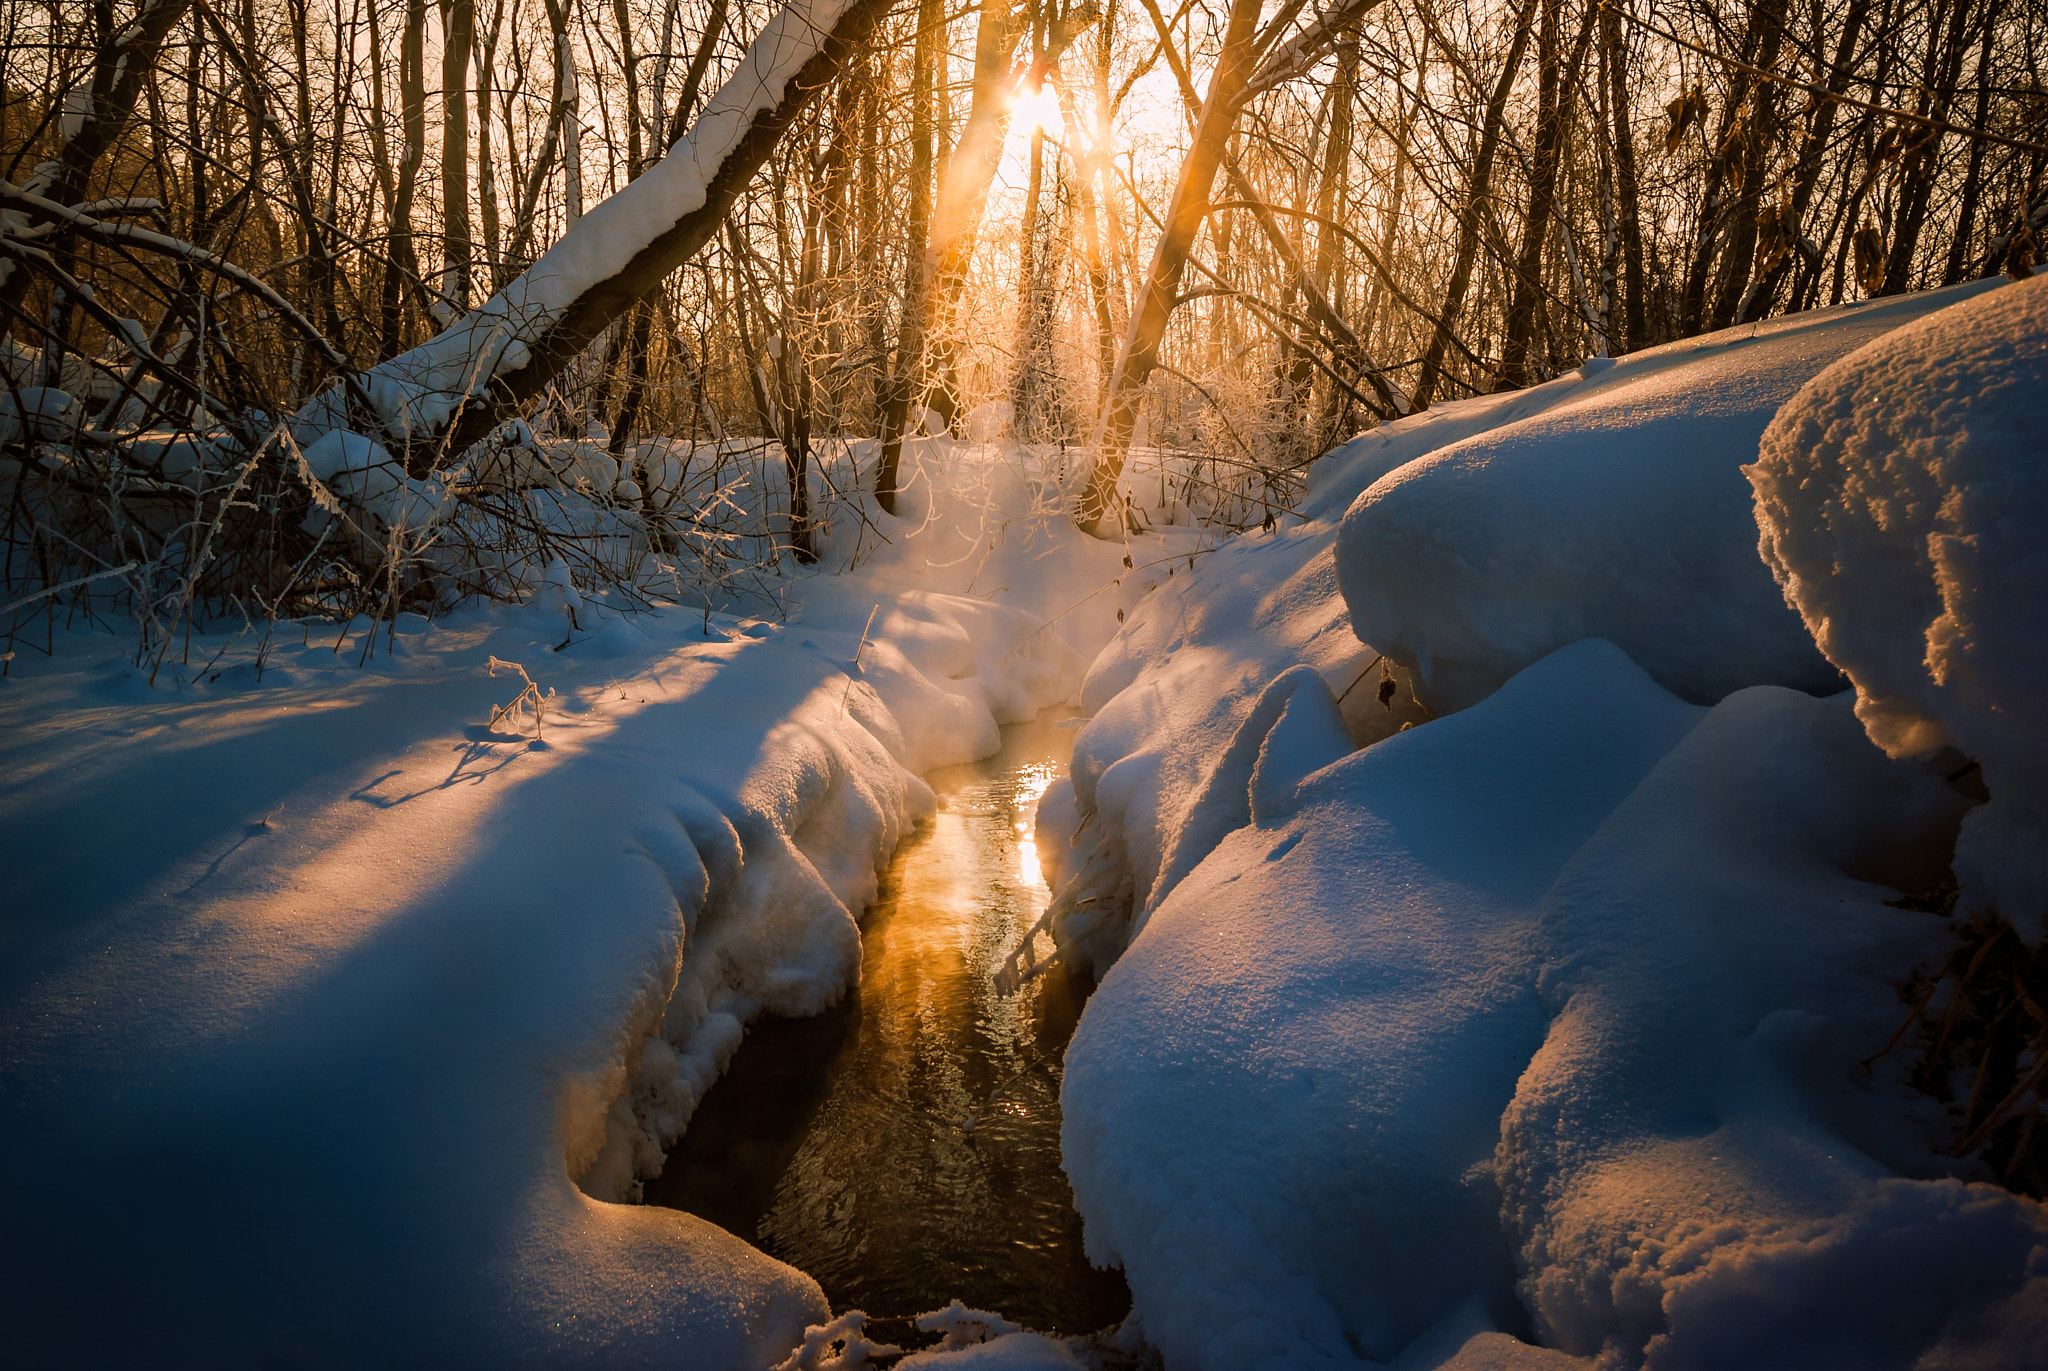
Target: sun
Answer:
[[1039, 109]]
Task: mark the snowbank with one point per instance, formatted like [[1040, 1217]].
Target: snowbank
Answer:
[[1544, 1021], [1169, 697], [1372, 950], [332, 1017], [1697, 1170], [1480, 536], [1903, 500], [1609, 503]]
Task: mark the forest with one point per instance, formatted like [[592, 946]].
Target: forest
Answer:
[[1074, 685], [1224, 236]]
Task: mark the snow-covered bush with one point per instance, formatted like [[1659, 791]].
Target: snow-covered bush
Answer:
[[1903, 501]]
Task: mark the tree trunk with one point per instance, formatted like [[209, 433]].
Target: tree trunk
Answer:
[[569, 100], [1092, 256], [1156, 301], [1958, 264], [1554, 78], [486, 174], [910, 325], [1472, 216], [1821, 128], [1329, 185], [458, 19], [1029, 384], [1379, 313], [1515, 371], [1628, 212], [1943, 68], [1298, 280], [963, 196], [1734, 146], [412, 126]]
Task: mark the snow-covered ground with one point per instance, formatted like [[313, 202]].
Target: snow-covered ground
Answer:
[[1545, 1022], [339, 1008], [333, 1018]]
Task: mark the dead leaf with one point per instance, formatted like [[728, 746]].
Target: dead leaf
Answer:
[[2021, 251], [1868, 245], [1688, 109], [1776, 235]]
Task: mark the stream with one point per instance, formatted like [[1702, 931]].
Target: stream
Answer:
[[903, 1148]]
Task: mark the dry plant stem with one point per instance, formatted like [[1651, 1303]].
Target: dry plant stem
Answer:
[[198, 561], [528, 700], [846, 695], [72, 584]]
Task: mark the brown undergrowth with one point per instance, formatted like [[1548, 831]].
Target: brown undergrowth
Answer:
[[1978, 1027]]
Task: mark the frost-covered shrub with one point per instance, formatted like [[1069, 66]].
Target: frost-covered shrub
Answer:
[[1903, 501]]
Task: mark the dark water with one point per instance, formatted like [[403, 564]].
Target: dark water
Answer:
[[904, 1148]]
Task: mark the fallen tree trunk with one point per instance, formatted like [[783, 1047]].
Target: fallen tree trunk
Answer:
[[453, 389]]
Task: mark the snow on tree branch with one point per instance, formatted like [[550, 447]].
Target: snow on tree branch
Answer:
[[453, 388]]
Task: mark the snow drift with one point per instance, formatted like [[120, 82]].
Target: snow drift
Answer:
[[1444, 553], [1903, 499], [1609, 503], [335, 1010], [1557, 1019]]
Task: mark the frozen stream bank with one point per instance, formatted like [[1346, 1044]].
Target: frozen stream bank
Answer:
[[903, 1148]]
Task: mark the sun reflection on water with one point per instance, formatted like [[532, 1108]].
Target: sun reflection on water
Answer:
[[908, 1153]]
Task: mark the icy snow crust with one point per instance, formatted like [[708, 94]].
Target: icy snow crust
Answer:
[[1903, 497], [1544, 1022], [331, 1019]]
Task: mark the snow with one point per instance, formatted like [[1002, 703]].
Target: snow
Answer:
[[1904, 509], [336, 1017], [40, 413], [1609, 503], [1490, 883], [1373, 1030], [1695, 1169], [1011, 1352], [1532, 1033]]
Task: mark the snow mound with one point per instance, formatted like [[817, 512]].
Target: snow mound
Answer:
[[1903, 502], [1547, 1019], [1373, 950], [39, 414], [1467, 586], [1698, 1169], [1609, 503], [1182, 702]]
